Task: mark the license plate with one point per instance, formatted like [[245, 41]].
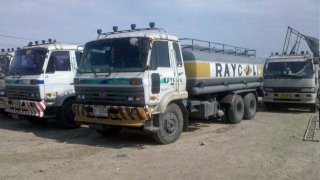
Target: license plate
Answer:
[[100, 111], [286, 96]]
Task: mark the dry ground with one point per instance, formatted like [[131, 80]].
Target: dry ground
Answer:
[[268, 147]]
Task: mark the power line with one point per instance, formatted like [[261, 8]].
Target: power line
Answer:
[[15, 37], [27, 39]]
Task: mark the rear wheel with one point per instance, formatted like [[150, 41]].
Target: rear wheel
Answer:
[[236, 110], [66, 119], [170, 125], [250, 106], [109, 130]]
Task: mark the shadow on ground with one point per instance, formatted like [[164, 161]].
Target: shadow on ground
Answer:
[[127, 138]]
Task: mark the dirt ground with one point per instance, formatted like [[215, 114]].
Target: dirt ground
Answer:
[[270, 146]]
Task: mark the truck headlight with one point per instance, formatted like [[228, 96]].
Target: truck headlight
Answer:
[[35, 95], [308, 90], [268, 89], [81, 96], [139, 98], [130, 98]]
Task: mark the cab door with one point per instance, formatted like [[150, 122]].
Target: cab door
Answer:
[[58, 74], [162, 71], [180, 77]]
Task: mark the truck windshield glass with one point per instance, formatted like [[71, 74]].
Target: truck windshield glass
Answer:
[[297, 69], [28, 61], [115, 55]]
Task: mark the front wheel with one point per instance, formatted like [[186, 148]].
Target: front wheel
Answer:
[[66, 119], [170, 125]]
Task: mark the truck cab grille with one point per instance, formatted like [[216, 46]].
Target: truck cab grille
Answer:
[[23, 92], [110, 95]]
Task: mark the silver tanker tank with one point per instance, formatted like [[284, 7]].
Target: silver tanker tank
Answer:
[[217, 68]]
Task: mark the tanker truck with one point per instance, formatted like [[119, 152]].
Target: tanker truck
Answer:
[[144, 78], [40, 83], [5, 60]]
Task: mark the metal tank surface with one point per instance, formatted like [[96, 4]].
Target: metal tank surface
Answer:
[[216, 68]]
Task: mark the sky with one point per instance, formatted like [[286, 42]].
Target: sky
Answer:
[[256, 24]]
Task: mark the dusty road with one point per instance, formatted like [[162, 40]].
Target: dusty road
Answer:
[[268, 147]]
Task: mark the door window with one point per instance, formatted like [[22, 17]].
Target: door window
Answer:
[[59, 61], [160, 55], [178, 54]]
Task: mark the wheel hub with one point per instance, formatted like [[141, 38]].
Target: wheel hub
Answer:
[[170, 123]]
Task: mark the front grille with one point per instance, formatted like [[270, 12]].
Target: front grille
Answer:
[[110, 95], [21, 92], [286, 89]]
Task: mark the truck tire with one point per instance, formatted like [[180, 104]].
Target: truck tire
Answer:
[[109, 130], [66, 116], [236, 110], [170, 125], [313, 108], [250, 106]]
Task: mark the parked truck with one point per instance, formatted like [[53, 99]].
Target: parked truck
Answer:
[[145, 78], [40, 82], [292, 78], [5, 60]]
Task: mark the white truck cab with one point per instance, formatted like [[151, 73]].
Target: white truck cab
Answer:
[[5, 60], [40, 82], [291, 80]]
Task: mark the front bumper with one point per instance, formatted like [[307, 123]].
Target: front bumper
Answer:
[[117, 115], [26, 107], [298, 98]]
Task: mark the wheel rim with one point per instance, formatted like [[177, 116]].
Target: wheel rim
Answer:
[[170, 123]]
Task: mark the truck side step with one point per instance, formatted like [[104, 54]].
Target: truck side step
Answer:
[[313, 130]]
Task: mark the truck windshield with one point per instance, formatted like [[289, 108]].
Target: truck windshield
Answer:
[[294, 69], [28, 61], [115, 55]]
